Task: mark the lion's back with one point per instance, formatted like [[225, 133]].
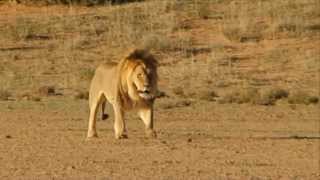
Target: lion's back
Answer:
[[105, 72]]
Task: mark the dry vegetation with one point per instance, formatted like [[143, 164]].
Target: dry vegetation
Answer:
[[231, 44], [229, 68]]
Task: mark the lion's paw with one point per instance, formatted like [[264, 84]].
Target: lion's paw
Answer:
[[151, 134], [122, 136], [92, 135]]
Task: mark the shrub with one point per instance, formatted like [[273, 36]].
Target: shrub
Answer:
[[208, 95], [81, 95], [35, 98], [70, 2], [4, 94], [46, 91], [302, 97], [178, 91], [270, 96]]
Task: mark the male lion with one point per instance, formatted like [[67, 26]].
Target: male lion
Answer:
[[127, 85]]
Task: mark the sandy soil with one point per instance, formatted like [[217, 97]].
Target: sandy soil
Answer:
[[46, 140]]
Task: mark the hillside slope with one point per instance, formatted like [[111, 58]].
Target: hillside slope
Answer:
[[216, 45]]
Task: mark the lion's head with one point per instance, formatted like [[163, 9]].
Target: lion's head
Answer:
[[143, 81], [138, 76]]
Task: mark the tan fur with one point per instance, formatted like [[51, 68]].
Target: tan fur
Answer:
[[130, 84]]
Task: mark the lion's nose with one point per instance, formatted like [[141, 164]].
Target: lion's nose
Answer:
[[146, 88]]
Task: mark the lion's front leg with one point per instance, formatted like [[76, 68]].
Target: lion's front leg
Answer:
[[146, 116], [119, 123]]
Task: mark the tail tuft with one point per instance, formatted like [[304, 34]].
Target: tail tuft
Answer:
[[105, 116]]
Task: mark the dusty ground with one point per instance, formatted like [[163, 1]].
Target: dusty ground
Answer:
[[202, 141], [207, 127]]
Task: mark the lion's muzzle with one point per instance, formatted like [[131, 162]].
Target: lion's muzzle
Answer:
[[145, 94]]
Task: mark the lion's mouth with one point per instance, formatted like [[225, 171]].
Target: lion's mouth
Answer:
[[145, 94]]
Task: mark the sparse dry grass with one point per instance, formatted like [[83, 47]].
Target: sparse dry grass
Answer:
[[66, 47], [253, 21]]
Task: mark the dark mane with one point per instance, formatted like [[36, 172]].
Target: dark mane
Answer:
[[144, 56]]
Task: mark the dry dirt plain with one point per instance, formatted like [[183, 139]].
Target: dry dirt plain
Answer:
[[203, 141], [208, 128]]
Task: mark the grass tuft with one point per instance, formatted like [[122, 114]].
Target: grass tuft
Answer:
[[47, 91], [81, 95]]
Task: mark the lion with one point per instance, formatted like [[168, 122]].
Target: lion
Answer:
[[130, 84]]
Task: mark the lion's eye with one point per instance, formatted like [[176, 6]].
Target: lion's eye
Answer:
[[139, 75]]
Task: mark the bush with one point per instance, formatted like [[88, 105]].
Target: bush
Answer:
[[208, 95], [302, 97], [270, 96], [80, 2], [4, 95]]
